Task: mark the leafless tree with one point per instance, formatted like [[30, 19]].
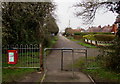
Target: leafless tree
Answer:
[[89, 8]]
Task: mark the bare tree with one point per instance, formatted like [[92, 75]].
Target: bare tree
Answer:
[[89, 8]]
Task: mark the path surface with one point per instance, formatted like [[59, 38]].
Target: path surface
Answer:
[[54, 73]]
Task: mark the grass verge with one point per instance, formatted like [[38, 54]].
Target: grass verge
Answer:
[[87, 45], [96, 71], [81, 42], [53, 42], [10, 75]]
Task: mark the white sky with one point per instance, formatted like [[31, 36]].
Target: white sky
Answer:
[[65, 12]]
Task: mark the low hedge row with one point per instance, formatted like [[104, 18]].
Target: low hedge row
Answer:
[[86, 33], [100, 37], [90, 37], [77, 37], [104, 37], [82, 33]]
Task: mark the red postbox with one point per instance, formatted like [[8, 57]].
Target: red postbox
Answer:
[[12, 56]]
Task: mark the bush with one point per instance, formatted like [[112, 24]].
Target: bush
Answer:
[[77, 37], [104, 37], [110, 58], [86, 33], [100, 33], [82, 33], [90, 37], [100, 37]]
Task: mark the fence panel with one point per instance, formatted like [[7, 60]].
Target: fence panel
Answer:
[[91, 58], [28, 56]]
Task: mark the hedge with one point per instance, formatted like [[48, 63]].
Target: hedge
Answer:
[[104, 37], [82, 33], [78, 37], [100, 33], [99, 37], [86, 33], [90, 37]]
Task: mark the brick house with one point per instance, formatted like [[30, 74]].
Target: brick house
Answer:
[[71, 31], [112, 29]]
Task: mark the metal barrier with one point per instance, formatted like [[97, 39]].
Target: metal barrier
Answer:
[[62, 51], [28, 56]]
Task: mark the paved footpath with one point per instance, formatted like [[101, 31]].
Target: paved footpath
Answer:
[[54, 73]]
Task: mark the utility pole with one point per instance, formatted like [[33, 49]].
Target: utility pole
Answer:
[[69, 24]]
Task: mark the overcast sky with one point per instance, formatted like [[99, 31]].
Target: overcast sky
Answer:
[[65, 12]]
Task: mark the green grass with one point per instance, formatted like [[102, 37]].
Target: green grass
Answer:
[[103, 75], [81, 63], [24, 60], [87, 45], [94, 68], [71, 38], [9, 75], [98, 73], [82, 42], [53, 42]]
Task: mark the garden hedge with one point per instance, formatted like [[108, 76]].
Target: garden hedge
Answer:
[[81, 34], [100, 37], [86, 33], [90, 37], [104, 37]]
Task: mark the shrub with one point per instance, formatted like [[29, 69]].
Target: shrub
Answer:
[[104, 37], [86, 33], [90, 37], [100, 37], [110, 58], [82, 33], [100, 33], [77, 37]]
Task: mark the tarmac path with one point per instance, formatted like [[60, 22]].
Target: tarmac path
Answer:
[[53, 63], [54, 74]]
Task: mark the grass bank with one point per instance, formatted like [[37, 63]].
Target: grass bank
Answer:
[[96, 71], [86, 45], [10, 75], [52, 43], [81, 42]]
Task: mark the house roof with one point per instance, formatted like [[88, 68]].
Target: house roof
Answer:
[[72, 31], [100, 29]]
